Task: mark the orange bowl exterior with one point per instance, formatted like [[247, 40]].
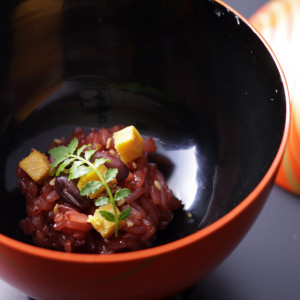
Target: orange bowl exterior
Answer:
[[158, 272], [155, 273]]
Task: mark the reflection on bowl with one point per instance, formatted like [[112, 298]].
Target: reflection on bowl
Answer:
[[193, 75]]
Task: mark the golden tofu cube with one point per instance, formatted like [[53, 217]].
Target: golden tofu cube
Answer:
[[129, 144], [103, 226], [36, 165], [92, 176]]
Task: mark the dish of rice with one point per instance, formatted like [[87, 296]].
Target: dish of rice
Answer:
[[95, 193]]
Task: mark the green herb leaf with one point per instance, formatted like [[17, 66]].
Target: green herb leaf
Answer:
[[79, 151], [59, 153], [90, 188], [77, 170], [63, 165], [107, 215], [110, 174], [125, 214], [56, 163], [102, 201], [89, 153], [81, 165], [78, 163], [121, 194], [100, 161], [72, 146]]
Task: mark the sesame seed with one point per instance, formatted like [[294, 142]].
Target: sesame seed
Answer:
[[108, 143], [157, 184], [57, 141], [55, 209], [52, 181], [111, 151], [129, 223], [134, 165], [190, 215]]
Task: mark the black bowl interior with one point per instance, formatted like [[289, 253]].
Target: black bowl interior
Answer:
[[191, 74]]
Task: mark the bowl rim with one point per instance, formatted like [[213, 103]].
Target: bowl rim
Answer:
[[190, 239]]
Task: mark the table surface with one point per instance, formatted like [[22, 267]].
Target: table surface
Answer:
[[266, 264]]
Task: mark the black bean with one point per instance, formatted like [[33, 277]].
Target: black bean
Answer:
[[123, 171], [68, 190]]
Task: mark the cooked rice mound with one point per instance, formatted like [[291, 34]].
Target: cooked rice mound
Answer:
[[54, 223]]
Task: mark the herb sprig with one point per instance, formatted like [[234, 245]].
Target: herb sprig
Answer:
[[76, 162]]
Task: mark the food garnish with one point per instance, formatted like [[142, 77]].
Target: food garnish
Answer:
[[97, 193], [76, 163]]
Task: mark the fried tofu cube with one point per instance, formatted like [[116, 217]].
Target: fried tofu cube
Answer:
[[129, 144], [103, 226], [36, 165], [92, 176]]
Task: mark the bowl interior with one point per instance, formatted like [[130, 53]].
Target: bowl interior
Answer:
[[190, 74]]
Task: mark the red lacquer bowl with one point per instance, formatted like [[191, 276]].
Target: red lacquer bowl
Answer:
[[195, 76]]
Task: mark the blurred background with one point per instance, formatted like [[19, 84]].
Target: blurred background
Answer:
[[245, 7]]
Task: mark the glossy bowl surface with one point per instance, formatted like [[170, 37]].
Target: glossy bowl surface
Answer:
[[192, 74]]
